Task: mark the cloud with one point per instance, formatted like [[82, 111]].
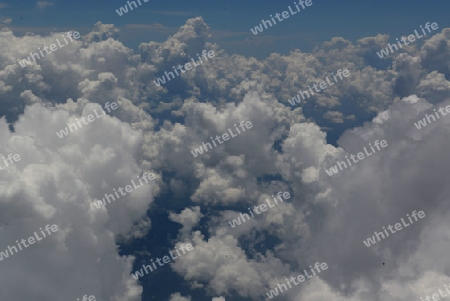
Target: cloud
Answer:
[[155, 128], [189, 218], [178, 297], [73, 172], [44, 4]]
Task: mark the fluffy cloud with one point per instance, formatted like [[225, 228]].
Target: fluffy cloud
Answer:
[[156, 128], [178, 297], [56, 182]]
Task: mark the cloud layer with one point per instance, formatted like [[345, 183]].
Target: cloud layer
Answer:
[[155, 128]]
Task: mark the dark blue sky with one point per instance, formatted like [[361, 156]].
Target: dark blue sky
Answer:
[[230, 21]]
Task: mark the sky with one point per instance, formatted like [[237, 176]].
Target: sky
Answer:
[[230, 21], [316, 107]]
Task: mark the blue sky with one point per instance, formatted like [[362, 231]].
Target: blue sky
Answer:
[[231, 21]]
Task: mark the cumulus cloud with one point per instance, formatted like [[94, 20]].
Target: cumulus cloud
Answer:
[[57, 181], [156, 128], [189, 218], [178, 297]]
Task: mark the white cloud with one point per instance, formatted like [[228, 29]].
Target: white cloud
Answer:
[[155, 128], [178, 297], [56, 182], [44, 4], [189, 218]]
